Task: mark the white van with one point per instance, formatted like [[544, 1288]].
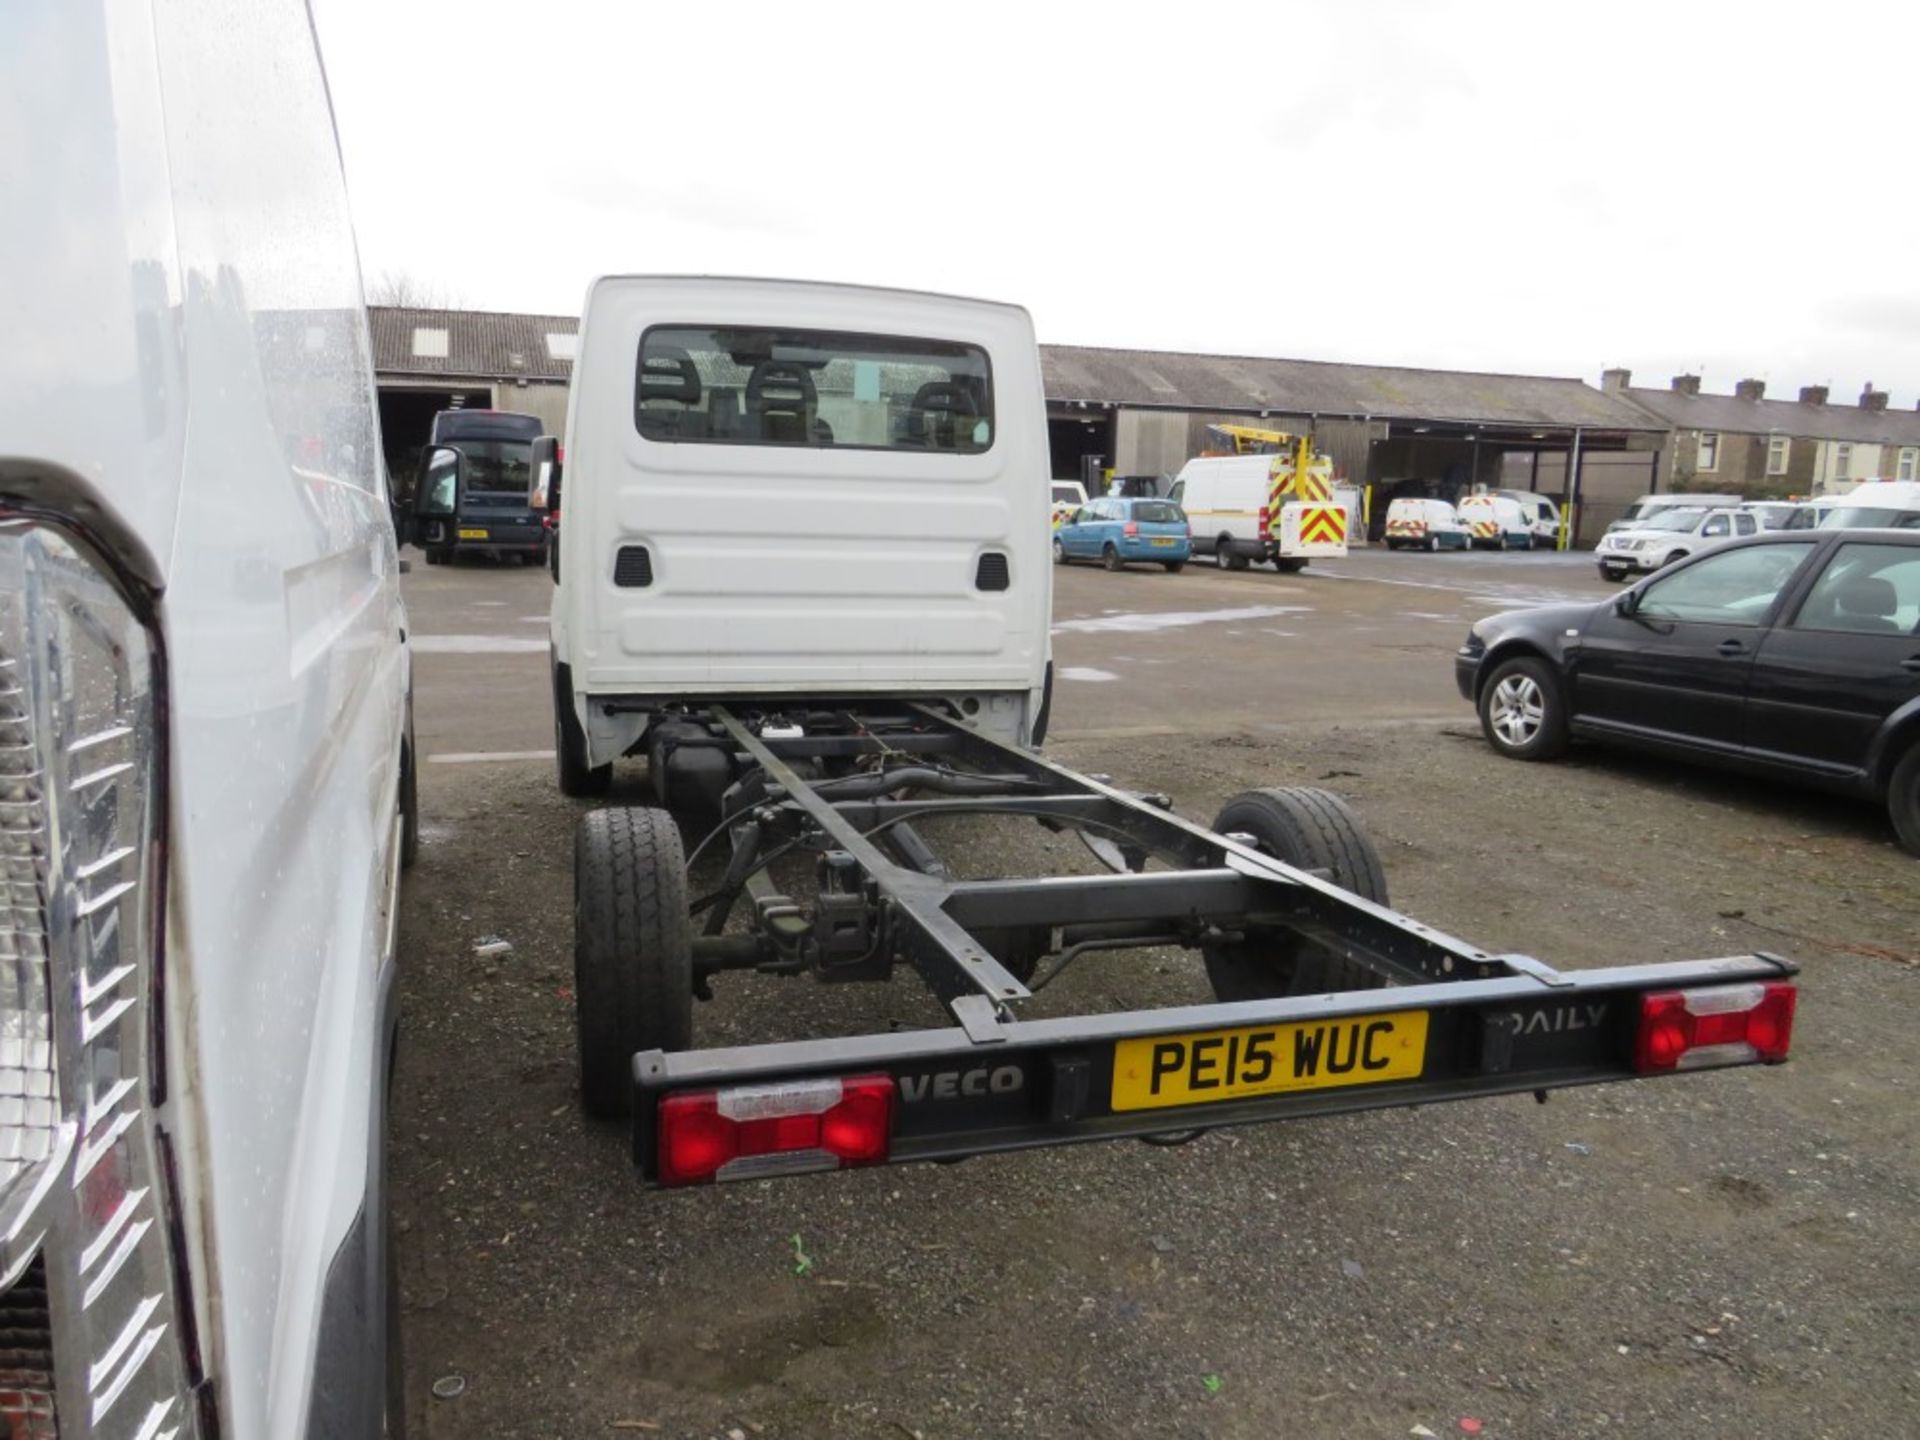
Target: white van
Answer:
[[1876, 504], [1542, 516], [1495, 522], [1418, 524], [204, 743], [1226, 498], [774, 412], [1068, 496], [1647, 506]]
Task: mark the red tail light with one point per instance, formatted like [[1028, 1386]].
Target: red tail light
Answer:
[[1266, 522], [754, 1130], [1189, 531], [1719, 1025], [1130, 530]]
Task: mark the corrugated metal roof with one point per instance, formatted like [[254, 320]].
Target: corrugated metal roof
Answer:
[[1728, 414], [1249, 384], [479, 343], [490, 343]]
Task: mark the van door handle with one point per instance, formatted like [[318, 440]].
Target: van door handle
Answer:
[[1912, 662], [1733, 647]]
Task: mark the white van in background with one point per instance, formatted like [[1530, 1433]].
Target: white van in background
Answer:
[[1542, 516], [1419, 524], [1226, 498], [1876, 504], [1495, 522], [205, 745], [1647, 506]]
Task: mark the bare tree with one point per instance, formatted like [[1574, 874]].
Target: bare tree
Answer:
[[404, 289]]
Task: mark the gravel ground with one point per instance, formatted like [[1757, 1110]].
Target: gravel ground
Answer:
[[1724, 1255]]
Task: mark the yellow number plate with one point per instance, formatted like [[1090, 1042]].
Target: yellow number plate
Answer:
[[473, 534], [1212, 1065]]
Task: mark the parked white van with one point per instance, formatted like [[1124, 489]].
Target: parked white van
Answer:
[[1647, 506], [1418, 524], [1226, 500], [772, 411], [1542, 516], [206, 767], [1495, 522], [1876, 504]]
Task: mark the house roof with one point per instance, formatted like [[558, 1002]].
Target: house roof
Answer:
[[469, 343], [1729, 414], [1249, 383], [481, 343]]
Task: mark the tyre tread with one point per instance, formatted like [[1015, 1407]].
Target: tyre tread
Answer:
[[633, 948]]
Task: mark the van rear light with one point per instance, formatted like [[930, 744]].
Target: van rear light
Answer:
[[85, 1209], [1718, 1025], [1266, 519], [1131, 529], [750, 1131]]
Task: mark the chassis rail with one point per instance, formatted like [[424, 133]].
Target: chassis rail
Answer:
[[856, 782]]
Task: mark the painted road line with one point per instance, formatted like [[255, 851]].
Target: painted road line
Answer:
[[487, 757], [477, 645]]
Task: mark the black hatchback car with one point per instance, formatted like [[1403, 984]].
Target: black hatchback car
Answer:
[[1795, 654]]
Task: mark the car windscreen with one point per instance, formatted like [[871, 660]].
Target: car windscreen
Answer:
[[496, 470], [1683, 517], [752, 385], [1870, 517], [1158, 512]]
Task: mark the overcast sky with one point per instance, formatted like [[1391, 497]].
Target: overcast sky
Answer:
[[1533, 187]]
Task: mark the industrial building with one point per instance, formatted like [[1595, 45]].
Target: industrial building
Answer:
[[1141, 412]]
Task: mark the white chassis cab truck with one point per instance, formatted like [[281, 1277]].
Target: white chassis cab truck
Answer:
[[803, 571], [205, 747]]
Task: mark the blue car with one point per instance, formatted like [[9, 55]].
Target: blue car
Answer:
[[1117, 529]]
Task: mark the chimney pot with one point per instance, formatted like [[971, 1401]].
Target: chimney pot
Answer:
[[1615, 379], [1686, 384], [1813, 394], [1872, 399], [1750, 390]]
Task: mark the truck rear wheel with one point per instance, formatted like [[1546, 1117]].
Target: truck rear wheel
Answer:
[[1311, 830], [632, 949]]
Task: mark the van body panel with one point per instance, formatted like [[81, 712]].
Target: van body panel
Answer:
[[801, 568], [194, 384]]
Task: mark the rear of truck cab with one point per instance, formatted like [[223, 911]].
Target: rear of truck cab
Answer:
[[781, 489]]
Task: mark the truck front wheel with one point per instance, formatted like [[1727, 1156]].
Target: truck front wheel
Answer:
[[577, 777], [1311, 830], [632, 949]]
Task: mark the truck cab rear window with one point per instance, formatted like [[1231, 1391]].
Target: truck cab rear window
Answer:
[[734, 385]]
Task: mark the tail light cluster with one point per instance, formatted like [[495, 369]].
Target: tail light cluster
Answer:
[[1717, 1025], [1131, 529], [1266, 519], [748, 1132], [84, 1198]]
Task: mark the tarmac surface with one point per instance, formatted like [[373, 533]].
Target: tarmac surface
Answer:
[[1731, 1254]]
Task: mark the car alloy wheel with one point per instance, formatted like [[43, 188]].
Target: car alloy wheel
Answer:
[[1059, 552], [1517, 710]]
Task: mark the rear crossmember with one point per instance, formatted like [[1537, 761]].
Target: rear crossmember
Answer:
[[1420, 1017]]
